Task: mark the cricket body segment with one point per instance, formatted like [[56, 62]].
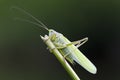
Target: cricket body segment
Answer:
[[70, 51]]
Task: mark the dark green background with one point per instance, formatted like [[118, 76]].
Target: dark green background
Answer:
[[23, 55]]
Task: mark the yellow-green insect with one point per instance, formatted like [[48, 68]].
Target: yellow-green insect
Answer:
[[68, 49]]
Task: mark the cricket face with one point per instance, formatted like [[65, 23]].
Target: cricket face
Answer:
[[53, 34]]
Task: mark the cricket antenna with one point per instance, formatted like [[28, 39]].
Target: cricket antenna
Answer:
[[29, 21], [40, 24]]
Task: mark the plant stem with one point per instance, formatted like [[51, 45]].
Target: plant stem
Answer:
[[61, 59]]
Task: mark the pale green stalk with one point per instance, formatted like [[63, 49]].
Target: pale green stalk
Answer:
[[61, 59]]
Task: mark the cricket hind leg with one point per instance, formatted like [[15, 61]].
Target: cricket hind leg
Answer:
[[76, 43], [80, 42]]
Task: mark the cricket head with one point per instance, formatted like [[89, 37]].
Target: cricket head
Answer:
[[53, 34]]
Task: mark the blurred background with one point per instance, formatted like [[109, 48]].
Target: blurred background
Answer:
[[23, 55]]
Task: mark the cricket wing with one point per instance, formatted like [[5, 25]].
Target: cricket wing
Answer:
[[84, 62]]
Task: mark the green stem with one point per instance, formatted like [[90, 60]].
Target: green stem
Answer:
[[61, 59]]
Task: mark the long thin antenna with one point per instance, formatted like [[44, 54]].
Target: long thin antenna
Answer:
[[25, 20], [20, 9]]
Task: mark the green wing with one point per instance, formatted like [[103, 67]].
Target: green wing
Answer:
[[82, 60]]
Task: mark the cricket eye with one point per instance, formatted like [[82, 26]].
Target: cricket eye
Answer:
[[52, 31]]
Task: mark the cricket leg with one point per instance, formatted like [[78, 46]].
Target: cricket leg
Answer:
[[81, 42], [66, 55], [77, 43]]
